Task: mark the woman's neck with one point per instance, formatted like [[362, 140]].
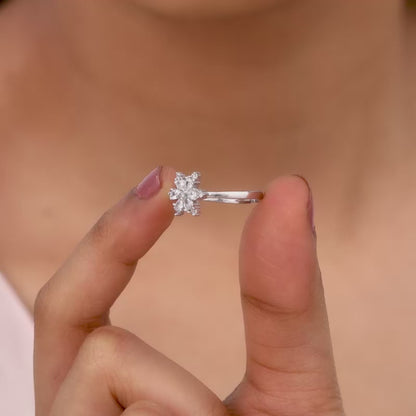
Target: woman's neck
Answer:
[[310, 85]]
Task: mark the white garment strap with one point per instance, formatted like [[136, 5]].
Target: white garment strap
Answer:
[[16, 354]]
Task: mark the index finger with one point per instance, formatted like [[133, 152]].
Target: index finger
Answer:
[[78, 297]]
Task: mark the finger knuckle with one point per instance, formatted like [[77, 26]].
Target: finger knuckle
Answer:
[[101, 230], [105, 343], [43, 306], [278, 310], [100, 355], [148, 408], [320, 401]]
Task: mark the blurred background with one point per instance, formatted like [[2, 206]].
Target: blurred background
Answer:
[[96, 94]]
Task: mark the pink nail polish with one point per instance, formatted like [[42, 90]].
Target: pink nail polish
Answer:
[[309, 206], [150, 185], [311, 212]]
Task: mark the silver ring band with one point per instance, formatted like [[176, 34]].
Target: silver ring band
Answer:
[[187, 195], [233, 197]]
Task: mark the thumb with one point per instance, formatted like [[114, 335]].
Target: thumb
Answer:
[[289, 366], [146, 408]]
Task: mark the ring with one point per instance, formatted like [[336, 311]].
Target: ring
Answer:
[[187, 195]]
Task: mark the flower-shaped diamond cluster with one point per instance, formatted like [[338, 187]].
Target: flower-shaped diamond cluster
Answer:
[[186, 194]]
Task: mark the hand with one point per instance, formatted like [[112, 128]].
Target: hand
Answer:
[[86, 367]]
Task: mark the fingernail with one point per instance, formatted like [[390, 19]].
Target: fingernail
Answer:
[[309, 206], [150, 185]]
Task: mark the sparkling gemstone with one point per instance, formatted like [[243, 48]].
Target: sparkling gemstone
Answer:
[[180, 181], [195, 210], [174, 194], [195, 177], [179, 207], [194, 194], [186, 194]]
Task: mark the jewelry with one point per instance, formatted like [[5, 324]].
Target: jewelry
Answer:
[[188, 195]]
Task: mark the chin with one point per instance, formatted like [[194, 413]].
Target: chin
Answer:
[[197, 9]]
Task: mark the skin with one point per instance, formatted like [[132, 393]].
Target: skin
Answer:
[[320, 87], [84, 366]]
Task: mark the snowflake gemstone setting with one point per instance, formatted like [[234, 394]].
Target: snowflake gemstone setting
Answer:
[[186, 194]]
